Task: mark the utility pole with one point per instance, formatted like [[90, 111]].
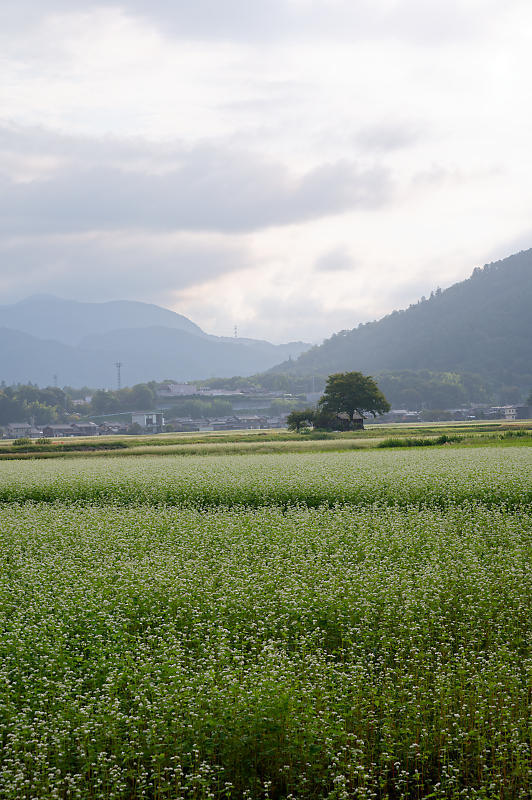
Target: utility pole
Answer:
[[118, 365]]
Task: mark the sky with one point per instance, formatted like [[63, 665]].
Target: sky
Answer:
[[291, 167]]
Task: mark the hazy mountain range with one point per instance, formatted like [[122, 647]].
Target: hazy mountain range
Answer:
[[45, 336], [482, 325]]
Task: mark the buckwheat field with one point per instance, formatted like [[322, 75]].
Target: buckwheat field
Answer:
[[349, 625]]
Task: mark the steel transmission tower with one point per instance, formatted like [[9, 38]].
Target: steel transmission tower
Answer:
[[118, 365]]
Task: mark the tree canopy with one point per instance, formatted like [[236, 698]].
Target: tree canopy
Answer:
[[352, 393], [298, 419]]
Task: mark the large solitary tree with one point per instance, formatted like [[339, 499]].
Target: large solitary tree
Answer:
[[351, 393]]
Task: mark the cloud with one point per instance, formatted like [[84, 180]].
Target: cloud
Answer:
[[336, 260], [204, 187], [117, 265], [387, 137], [243, 20]]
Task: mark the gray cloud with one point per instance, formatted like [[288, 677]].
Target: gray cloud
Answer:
[[204, 187], [337, 260], [385, 138], [27, 142], [100, 267]]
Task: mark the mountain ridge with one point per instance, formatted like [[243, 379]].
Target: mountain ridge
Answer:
[[481, 325], [80, 342], [47, 316]]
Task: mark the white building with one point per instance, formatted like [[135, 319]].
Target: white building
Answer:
[[152, 422], [512, 413], [172, 389]]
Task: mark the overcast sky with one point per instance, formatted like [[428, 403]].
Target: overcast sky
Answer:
[[293, 167]]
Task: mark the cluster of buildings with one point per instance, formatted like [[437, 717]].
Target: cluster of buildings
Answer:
[[509, 413], [148, 423], [154, 422], [20, 430]]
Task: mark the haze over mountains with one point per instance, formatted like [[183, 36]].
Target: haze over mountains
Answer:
[[43, 336], [482, 325], [48, 317]]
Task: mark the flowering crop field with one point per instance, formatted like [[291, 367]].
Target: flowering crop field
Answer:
[[328, 626], [436, 476]]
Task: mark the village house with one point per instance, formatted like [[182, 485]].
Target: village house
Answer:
[[516, 412], [252, 422], [70, 429], [356, 422], [509, 412], [55, 431], [86, 428], [20, 430], [151, 422]]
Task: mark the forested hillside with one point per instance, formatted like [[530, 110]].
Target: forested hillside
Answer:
[[482, 326]]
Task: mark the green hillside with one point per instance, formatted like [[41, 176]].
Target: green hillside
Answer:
[[482, 325]]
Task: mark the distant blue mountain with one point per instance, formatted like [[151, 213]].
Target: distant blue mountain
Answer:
[[44, 336], [48, 317]]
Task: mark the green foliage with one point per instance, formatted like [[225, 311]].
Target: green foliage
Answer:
[[24, 403], [271, 381], [297, 420], [141, 396], [197, 407], [104, 402], [351, 392], [328, 421], [46, 446], [409, 441], [417, 389]]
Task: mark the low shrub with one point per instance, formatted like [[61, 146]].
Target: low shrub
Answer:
[[408, 441]]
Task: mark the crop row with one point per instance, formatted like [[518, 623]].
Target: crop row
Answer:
[[331, 653], [421, 476]]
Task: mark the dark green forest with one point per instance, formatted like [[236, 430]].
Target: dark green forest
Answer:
[[481, 326], [410, 389]]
